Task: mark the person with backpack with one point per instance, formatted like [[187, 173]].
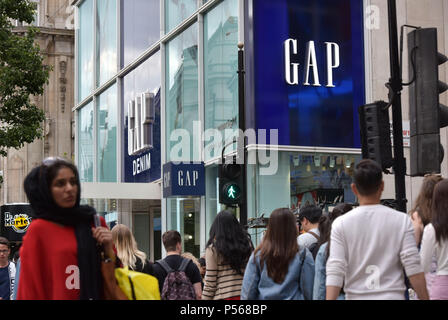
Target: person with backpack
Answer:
[[279, 269], [227, 252], [309, 216], [179, 278], [323, 247]]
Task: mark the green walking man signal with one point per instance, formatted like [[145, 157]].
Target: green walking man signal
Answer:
[[230, 183], [233, 191]]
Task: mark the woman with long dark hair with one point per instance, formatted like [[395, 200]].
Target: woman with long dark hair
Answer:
[[319, 291], [60, 255], [421, 213], [435, 242], [226, 255], [278, 269]]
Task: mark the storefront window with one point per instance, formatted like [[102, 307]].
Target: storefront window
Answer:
[[183, 215], [107, 135], [85, 143], [141, 27], [220, 73], [145, 78], [85, 49], [106, 40], [212, 205], [106, 208], [182, 97], [141, 231], [177, 11], [302, 178]]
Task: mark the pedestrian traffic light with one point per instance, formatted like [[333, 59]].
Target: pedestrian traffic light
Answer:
[[427, 115], [230, 183], [375, 133]]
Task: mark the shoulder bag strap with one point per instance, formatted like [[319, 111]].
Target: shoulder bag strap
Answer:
[[302, 261], [313, 234], [165, 265], [184, 264]]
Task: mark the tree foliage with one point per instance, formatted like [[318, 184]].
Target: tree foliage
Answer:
[[22, 74]]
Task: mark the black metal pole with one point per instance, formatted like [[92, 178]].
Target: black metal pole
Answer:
[[242, 127], [395, 83]]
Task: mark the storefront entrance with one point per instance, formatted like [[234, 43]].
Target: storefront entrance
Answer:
[[184, 216]]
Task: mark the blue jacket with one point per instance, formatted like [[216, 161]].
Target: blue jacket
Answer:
[[320, 275], [257, 285]]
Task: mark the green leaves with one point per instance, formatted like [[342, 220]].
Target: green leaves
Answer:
[[22, 74]]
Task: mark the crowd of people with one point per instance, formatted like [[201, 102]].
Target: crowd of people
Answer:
[[368, 252]]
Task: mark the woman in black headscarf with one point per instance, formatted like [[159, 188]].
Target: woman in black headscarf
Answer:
[[63, 256]]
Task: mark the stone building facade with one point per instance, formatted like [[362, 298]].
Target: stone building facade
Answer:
[[55, 19]]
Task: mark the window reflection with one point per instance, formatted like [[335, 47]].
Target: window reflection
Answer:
[[145, 78], [177, 11], [182, 96], [85, 50], [107, 135], [220, 71], [141, 25], [85, 143], [106, 38]]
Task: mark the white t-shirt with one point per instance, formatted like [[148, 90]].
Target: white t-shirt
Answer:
[[369, 248], [429, 247]]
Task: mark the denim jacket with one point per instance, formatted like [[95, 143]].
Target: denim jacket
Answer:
[[320, 275], [297, 285]]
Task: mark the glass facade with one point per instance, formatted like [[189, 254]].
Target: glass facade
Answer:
[[107, 208], [86, 143], [302, 178], [145, 78], [85, 49], [106, 40], [177, 11], [182, 97], [141, 25], [183, 215], [107, 135], [220, 75], [190, 75]]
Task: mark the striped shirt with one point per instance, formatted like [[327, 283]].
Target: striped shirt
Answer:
[[220, 281]]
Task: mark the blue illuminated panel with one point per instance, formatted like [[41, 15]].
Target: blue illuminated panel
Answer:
[[308, 115]]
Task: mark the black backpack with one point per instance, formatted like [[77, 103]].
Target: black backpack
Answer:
[[314, 247]]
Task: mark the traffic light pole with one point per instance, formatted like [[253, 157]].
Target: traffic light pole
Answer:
[[242, 127], [395, 86]]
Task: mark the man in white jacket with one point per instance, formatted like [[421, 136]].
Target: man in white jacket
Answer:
[[372, 245], [7, 271]]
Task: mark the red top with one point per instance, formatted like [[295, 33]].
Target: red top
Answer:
[[49, 262]]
